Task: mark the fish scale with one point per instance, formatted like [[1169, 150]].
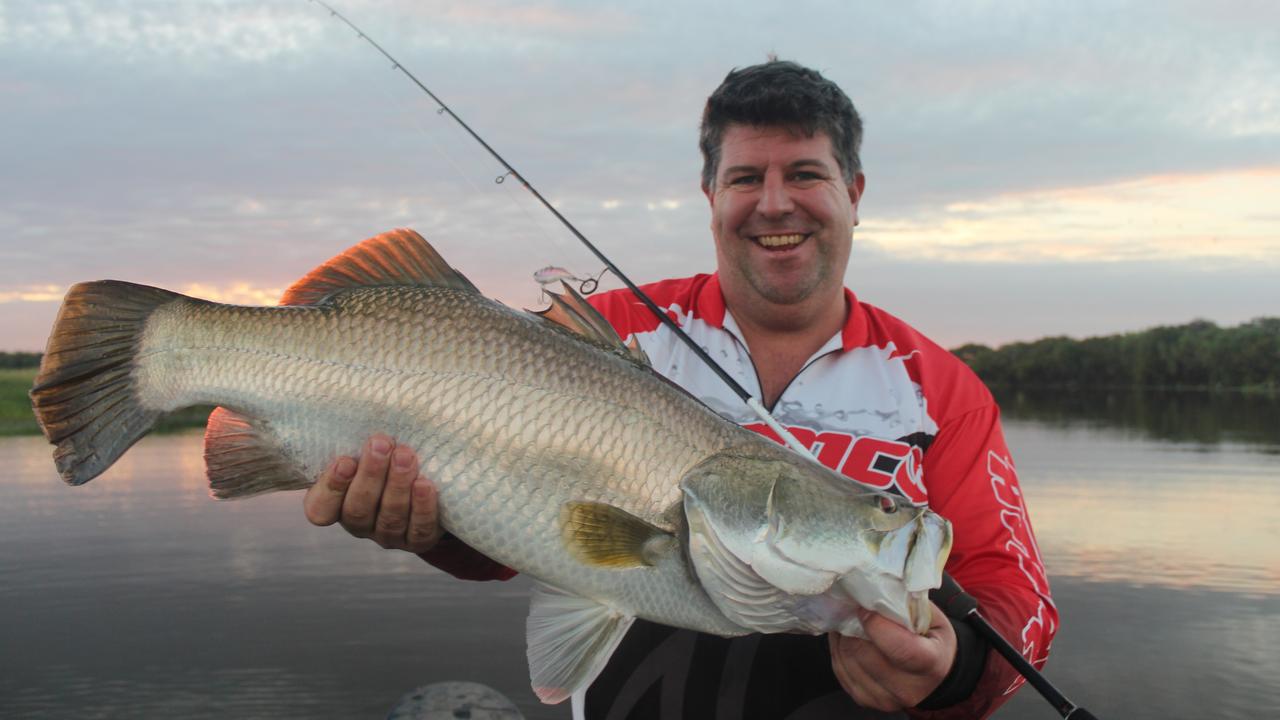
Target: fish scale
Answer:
[[555, 449]]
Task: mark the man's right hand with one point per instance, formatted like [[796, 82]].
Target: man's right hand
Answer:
[[382, 496]]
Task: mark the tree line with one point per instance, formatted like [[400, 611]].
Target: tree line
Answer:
[[1199, 354], [19, 359]]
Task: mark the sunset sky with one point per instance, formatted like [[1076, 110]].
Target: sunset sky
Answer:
[[1033, 168]]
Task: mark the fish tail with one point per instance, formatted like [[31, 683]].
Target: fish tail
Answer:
[[85, 395]]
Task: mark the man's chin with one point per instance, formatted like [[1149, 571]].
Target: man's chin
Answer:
[[782, 291]]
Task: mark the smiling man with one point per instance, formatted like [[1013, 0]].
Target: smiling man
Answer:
[[871, 396]]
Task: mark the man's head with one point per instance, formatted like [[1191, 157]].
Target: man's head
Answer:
[[783, 179], [781, 94]]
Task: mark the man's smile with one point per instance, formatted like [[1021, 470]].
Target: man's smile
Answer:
[[780, 241]]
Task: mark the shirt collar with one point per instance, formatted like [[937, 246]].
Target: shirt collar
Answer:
[[709, 305]]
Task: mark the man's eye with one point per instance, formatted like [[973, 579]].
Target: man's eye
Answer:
[[744, 180], [805, 176]]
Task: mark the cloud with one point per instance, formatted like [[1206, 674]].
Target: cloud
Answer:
[[32, 293], [236, 293], [1162, 217], [250, 32]]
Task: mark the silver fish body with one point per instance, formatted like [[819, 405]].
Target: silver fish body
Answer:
[[555, 452]]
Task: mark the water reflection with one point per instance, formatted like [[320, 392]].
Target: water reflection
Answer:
[[1140, 511], [137, 595], [1204, 418]]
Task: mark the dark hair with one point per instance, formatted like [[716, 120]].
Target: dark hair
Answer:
[[780, 93]]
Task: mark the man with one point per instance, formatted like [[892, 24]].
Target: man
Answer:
[[872, 397]]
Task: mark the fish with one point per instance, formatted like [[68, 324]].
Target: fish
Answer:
[[555, 448]]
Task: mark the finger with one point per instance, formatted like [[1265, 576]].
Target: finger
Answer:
[[424, 524], [323, 502], [361, 504], [900, 647], [848, 658], [393, 509]]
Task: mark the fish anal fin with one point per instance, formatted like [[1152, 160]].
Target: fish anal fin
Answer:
[[243, 459], [398, 257], [572, 312], [604, 536], [570, 639]]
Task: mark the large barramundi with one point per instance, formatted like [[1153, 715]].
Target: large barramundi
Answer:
[[556, 449]]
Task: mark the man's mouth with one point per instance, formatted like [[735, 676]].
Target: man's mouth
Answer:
[[780, 242]]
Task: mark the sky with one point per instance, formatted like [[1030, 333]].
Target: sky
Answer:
[[1033, 168]]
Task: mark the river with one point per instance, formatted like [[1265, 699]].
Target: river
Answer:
[[138, 596]]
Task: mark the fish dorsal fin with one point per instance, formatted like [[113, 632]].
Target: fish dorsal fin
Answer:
[[243, 458], [570, 639], [602, 535], [398, 257], [572, 312]]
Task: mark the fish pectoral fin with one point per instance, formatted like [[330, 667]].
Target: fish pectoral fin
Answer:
[[572, 312], [243, 459], [570, 639], [601, 535], [399, 257]]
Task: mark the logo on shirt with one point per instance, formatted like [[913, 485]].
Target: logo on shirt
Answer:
[[892, 465]]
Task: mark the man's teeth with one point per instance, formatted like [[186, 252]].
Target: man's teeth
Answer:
[[780, 240]]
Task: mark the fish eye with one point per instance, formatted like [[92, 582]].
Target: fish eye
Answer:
[[888, 505]]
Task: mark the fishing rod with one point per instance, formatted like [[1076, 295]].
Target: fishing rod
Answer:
[[956, 603], [741, 392]]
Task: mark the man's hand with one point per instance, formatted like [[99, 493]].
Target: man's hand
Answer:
[[382, 497], [893, 668]]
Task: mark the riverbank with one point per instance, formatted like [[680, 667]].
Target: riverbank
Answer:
[[16, 417]]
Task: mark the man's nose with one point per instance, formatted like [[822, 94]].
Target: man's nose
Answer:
[[775, 198]]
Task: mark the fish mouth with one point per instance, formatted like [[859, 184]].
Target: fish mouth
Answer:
[[778, 242], [908, 565]]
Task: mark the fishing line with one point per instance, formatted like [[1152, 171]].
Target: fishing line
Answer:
[[957, 604], [439, 138]]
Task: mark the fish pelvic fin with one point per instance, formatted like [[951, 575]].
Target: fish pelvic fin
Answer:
[[572, 312], [243, 458], [570, 640], [395, 258], [603, 536], [85, 396]]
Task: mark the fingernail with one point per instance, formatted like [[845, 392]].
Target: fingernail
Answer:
[[421, 487], [346, 468], [380, 447], [403, 458]]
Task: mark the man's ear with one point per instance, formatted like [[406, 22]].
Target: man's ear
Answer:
[[856, 188]]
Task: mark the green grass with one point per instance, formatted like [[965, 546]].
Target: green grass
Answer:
[[16, 417], [15, 406]]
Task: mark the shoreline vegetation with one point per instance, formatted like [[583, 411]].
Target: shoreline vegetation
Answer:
[[1198, 357], [16, 417]]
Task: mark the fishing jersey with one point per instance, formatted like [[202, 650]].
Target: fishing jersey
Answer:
[[886, 407]]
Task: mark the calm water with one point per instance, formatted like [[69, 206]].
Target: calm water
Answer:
[[137, 596]]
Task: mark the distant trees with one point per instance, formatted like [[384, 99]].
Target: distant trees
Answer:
[[1198, 354], [19, 359]]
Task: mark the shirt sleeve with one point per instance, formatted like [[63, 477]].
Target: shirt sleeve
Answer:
[[465, 562], [994, 557]]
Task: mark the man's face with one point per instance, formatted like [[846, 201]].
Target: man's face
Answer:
[[781, 213]]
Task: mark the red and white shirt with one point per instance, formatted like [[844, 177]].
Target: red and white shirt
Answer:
[[884, 405]]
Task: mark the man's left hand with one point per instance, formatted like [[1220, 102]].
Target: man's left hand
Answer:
[[893, 668]]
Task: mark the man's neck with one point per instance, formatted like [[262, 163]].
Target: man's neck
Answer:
[[782, 338]]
